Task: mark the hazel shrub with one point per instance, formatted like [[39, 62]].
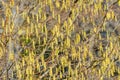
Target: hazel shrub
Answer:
[[59, 39]]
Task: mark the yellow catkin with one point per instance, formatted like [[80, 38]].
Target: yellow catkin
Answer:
[[3, 23], [30, 69], [99, 36], [77, 40], [70, 21], [27, 33], [23, 62], [37, 18], [44, 16], [45, 66], [112, 14], [17, 9], [68, 42], [33, 44], [69, 67], [101, 48], [73, 52], [1, 52], [99, 6], [53, 14], [37, 65], [119, 2], [73, 14], [57, 4], [99, 72], [19, 74], [101, 78], [108, 15], [60, 75], [54, 78], [27, 71], [111, 45], [59, 19], [50, 73], [82, 76], [12, 2], [42, 59], [36, 30], [95, 29], [76, 72], [28, 19]]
